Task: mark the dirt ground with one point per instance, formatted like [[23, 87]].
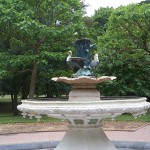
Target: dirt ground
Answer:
[[62, 126]]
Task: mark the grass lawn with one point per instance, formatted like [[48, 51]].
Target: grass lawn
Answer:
[[129, 117], [5, 99], [6, 114], [10, 118]]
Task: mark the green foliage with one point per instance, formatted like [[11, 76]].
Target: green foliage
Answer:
[[37, 32], [129, 31], [97, 24], [124, 51], [144, 2], [132, 75], [100, 20], [39, 27]]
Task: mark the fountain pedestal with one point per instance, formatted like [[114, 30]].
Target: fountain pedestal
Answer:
[[85, 139], [85, 132], [84, 92], [83, 88], [84, 112]]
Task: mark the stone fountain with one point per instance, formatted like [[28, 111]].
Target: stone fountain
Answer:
[[84, 110]]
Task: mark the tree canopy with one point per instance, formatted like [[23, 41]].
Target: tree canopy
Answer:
[[37, 32], [125, 49], [35, 36]]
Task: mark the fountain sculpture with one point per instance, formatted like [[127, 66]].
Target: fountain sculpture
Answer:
[[84, 109]]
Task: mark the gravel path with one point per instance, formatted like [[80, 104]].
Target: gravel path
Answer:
[[62, 126]]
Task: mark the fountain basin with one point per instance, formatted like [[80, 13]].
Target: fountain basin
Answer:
[[103, 108], [84, 112], [84, 119]]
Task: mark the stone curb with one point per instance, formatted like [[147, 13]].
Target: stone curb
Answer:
[[132, 145], [29, 146], [120, 145]]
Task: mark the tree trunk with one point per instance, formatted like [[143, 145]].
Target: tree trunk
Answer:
[[25, 89], [49, 91], [33, 80], [12, 101], [15, 103], [25, 93]]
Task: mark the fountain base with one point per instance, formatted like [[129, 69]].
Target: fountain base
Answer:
[[85, 139], [84, 112]]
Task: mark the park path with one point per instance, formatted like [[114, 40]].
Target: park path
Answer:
[[141, 135]]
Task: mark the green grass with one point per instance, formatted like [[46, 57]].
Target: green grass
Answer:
[[129, 117], [5, 99], [10, 119]]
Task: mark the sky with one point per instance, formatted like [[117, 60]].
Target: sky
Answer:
[[95, 4]]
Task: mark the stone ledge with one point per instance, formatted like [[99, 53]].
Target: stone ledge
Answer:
[[50, 145], [123, 145]]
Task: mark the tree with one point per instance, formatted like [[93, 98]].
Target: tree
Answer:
[[144, 2], [38, 30], [97, 24], [11, 85], [130, 31], [34, 39], [100, 20], [125, 49]]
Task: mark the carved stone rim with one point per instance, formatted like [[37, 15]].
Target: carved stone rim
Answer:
[[83, 79], [84, 109], [101, 102], [86, 105]]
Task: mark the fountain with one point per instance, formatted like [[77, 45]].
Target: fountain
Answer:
[[84, 110]]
